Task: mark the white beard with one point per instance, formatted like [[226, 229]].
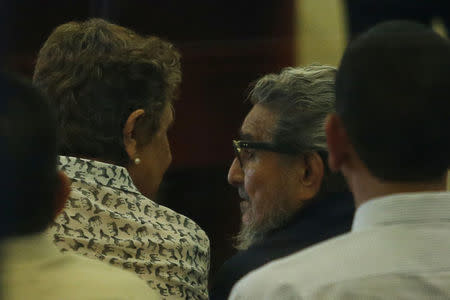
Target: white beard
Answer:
[[252, 231]]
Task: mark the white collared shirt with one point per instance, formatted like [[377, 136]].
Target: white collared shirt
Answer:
[[399, 248], [32, 268]]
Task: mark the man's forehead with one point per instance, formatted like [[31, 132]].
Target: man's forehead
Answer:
[[259, 124]]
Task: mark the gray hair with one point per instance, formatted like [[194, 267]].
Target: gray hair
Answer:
[[302, 97]]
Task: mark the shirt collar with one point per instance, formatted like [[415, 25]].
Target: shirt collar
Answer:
[[407, 208], [97, 173]]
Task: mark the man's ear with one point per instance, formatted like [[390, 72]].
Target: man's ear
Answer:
[[338, 142], [129, 136], [313, 172], [62, 192], [308, 176]]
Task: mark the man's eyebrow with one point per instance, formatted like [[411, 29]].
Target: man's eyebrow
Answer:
[[245, 136]]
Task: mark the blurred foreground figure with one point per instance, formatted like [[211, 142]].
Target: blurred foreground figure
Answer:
[[113, 92], [290, 199], [390, 138], [31, 266]]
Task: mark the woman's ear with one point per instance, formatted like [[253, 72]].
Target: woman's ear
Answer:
[[62, 192], [129, 136]]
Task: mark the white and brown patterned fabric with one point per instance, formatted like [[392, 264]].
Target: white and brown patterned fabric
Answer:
[[108, 219]]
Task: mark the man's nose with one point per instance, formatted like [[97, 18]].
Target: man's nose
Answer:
[[235, 174]]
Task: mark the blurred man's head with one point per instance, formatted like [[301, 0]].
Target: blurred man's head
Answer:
[[32, 188], [392, 117], [280, 162]]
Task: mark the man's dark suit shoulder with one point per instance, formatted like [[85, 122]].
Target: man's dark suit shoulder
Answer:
[[327, 219]]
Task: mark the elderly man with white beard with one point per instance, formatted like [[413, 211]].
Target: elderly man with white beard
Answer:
[[290, 199]]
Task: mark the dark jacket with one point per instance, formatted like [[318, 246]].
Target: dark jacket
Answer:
[[319, 221]]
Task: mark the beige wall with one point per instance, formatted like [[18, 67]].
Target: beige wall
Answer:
[[321, 31]]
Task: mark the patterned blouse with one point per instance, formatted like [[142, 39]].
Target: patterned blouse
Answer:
[[108, 219]]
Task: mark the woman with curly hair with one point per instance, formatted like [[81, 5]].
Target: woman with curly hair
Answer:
[[113, 91]]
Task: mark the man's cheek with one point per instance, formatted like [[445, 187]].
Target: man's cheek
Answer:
[[253, 184], [259, 207]]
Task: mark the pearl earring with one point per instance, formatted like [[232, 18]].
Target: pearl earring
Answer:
[[137, 160]]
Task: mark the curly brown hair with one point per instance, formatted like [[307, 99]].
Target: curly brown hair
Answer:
[[95, 74]]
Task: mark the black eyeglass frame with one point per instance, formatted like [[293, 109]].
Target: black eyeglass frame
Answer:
[[238, 145]]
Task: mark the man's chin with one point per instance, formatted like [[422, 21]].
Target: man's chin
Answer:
[[246, 219], [246, 237], [253, 230], [245, 212], [250, 232]]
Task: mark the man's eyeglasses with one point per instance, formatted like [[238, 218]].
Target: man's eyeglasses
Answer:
[[240, 146]]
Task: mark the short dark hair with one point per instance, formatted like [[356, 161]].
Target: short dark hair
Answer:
[[28, 157], [96, 73], [393, 95]]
